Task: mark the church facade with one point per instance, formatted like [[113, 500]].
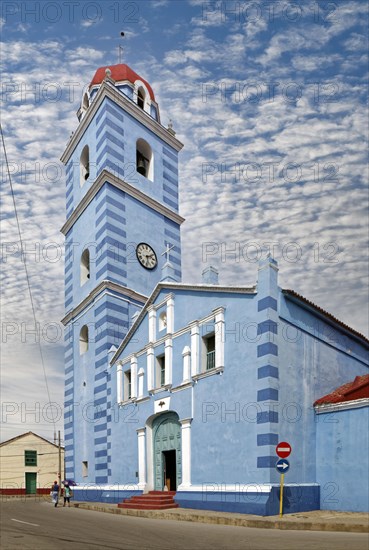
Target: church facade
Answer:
[[171, 386]]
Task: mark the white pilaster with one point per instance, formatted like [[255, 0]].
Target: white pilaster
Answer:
[[134, 377], [141, 375], [219, 337], [195, 348], [186, 452], [186, 354], [168, 360], [150, 369], [141, 440], [119, 383], [152, 324], [170, 314]]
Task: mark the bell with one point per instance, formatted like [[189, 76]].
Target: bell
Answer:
[[87, 174], [141, 167]]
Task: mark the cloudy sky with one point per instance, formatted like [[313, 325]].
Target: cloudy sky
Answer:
[[269, 99]]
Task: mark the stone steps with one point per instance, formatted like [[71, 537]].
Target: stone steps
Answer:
[[154, 500]]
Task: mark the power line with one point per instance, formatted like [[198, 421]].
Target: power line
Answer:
[[23, 257]]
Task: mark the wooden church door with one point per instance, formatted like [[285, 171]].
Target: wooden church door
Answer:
[[167, 452]]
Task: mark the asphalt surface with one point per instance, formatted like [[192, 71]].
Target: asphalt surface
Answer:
[[30, 524]]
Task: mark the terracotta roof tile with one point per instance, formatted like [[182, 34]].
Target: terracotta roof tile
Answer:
[[356, 389], [120, 73]]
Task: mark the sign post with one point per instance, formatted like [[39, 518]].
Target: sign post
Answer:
[[283, 450]]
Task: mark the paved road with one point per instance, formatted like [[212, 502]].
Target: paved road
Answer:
[[35, 525]]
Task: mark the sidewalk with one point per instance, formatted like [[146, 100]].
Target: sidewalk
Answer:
[[318, 520]]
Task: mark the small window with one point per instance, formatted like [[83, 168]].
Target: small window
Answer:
[[83, 340], [84, 468], [127, 385], [84, 165], [85, 266], [144, 159], [141, 98], [160, 371], [163, 320], [85, 102], [30, 458], [209, 345]]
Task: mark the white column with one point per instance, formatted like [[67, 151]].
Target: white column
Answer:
[[141, 374], [168, 360], [170, 314], [195, 345], [219, 337], [141, 440], [152, 324], [186, 452], [119, 383], [186, 354], [150, 369], [134, 377]]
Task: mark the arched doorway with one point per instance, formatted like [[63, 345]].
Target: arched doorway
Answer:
[[167, 452]]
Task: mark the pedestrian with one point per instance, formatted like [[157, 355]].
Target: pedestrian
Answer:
[[67, 494], [55, 493]]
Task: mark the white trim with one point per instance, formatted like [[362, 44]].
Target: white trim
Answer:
[[134, 377], [177, 286], [168, 360], [103, 287], [208, 373], [119, 383], [107, 177], [109, 90], [195, 348], [141, 444], [152, 324], [150, 369], [186, 451], [343, 406]]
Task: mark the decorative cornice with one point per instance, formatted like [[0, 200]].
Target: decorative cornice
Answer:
[[343, 406], [104, 285], [177, 286], [108, 90], [106, 177]]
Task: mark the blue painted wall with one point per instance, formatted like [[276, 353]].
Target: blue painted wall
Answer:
[[110, 227], [342, 459]]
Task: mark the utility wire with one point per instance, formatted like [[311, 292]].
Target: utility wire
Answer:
[[23, 257]]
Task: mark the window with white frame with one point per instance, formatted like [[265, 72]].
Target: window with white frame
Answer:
[[84, 164], [208, 352], [84, 468], [83, 340], [127, 385], [163, 320], [85, 266], [144, 159], [160, 371], [141, 95]]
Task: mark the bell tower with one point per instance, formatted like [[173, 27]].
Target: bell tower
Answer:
[[121, 216]]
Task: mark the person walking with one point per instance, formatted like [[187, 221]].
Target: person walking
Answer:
[[67, 494], [55, 493]]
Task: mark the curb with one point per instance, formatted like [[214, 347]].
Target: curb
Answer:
[[229, 520]]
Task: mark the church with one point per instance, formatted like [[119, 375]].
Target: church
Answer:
[[187, 389]]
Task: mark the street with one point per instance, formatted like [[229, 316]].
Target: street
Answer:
[[36, 524]]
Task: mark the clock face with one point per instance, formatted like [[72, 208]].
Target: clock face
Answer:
[[146, 256]]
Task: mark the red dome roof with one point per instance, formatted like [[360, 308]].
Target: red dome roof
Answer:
[[118, 73]]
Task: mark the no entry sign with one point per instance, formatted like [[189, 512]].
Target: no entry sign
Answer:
[[283, 449]]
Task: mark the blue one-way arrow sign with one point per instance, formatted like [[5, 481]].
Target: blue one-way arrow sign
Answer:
[[282, 465]]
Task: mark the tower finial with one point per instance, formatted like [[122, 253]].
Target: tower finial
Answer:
[[120, 49]]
